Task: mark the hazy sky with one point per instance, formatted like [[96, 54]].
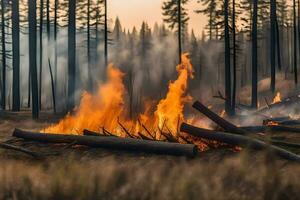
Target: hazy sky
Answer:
[[133, 12]]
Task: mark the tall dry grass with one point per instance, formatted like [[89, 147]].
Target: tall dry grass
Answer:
[[149, 178]]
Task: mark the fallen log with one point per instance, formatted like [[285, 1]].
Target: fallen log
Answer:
[[284, 103], [129, 144], [285, 144], [20, 149], [283, 128], [91, 133], [238, 140], [226, 125]]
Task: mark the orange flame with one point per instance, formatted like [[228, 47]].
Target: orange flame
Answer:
[[277, 98], [107, 106]]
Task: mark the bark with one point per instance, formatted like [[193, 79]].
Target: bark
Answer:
[[3, 35], [16, 54], [228, 102], [238, 140], [129, 144], [32, 58], [71, 54], [226, 125], [254, 56]]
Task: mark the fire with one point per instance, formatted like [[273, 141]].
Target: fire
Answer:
[[96, 110], [277, 98], [107, 108]]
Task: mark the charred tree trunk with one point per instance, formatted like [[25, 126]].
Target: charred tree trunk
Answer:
[[228, 101], [89, 46], [234, 57], [55, 44], [16, 54], [273, 44], [32, 57], [105, 34], [71, 54], [127, 144], [295, 43], [278, 46], [238, 140], [41, 51], [254, 55], [179, 30], [3, 35]]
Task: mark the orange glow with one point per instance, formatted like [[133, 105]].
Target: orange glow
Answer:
[[277, 98]]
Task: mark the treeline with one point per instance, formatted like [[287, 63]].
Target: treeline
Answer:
[[53, 50]]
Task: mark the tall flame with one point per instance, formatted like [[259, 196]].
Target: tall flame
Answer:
[[107, 107], [96, 110]]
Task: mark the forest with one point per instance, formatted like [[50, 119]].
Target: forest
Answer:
[[88, 102]]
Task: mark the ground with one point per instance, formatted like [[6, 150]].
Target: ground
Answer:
[[82, 173]]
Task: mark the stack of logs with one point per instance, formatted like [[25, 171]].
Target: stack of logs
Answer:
[[230, 134]]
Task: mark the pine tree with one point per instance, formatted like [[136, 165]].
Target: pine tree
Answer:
[[273, 43], [295, 42], [177, 17], [254, 54], [3, 44], [210, 10]]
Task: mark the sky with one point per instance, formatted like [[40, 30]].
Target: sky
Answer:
[[134, 12]]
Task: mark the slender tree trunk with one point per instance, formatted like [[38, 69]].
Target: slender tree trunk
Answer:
[[16, 54], [89, 46], [234, 57], [273, 44], [179, 30], [32, 57], [71, 54], [254, 55], [41, 51], [55, 44], [228, 94], [105, 34], [3, 95], [295, 42], [278, 45]]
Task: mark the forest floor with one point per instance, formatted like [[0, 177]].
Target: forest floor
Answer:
[[83, 173]]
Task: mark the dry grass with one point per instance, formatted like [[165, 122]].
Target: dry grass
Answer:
[[149, 178]]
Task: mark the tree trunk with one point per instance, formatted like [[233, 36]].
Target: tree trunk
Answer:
[[71, 54], [179, 30], [278, 45], [127, 144], [55, 44], [32, 57], [254, 56], [41, 51], [16, 54], [3, 35], [228, 94], [105, 34], [295, 43], [90, 79], [234, 57], [273, 44]]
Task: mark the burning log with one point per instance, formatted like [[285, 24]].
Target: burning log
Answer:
[[91, 133], [289, 101], [129, 144], [226, 125], [238, 140]]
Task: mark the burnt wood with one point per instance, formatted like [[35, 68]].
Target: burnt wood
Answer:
[[130, 144]]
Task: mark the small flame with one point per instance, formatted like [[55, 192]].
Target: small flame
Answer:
[[277, 98]]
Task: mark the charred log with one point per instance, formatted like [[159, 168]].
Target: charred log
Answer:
[[127, 144], [238, 140], [226, 125]]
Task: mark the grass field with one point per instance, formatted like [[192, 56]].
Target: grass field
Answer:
[[81, 173]]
